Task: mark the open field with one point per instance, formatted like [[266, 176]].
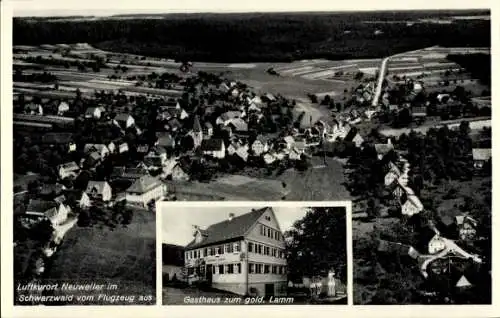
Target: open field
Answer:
[[317, 184], [231, 187], [123, 256], [475, 124]]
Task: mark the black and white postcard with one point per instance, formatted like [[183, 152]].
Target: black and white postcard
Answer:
[[334, 154]]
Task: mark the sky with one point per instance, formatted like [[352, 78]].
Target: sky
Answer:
[[177, 222], [110, 7]]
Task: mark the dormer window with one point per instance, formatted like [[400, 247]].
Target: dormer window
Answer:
[[268, 218]]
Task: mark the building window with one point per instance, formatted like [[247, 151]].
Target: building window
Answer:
[[187, 255], [280, 271], [259, 269], [205, 252], [238, 268], [213, 269], [237, 247], [274, 269], [262, 230], [266, 250], [226, 248], [221, 269], [266, 269], [268, 232], [250, 247], [229, 268], [273, 251], [260, 249], [251, 268]]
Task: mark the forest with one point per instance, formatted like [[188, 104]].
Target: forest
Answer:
[[259, 37]]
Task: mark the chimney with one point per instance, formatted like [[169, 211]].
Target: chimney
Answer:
[[231, 216]]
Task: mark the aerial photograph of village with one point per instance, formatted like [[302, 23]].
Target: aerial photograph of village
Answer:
[[243, 255], [388, 109]]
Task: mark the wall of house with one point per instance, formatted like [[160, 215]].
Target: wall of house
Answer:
[[106, 193], [279, 286]]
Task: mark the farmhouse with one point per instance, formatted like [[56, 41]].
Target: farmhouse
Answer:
[[260, 145], [165, 140], [62, 108], [55, 212], [94, 112], [226, 117], [354, 137], [125, 173], [208, 129], [481, 156], [144, 190], [243, 255], [99, 191], [173, 170], [124, 121], [68, 170], [412, 204], [101, 149], [214, 148], [383, 149]]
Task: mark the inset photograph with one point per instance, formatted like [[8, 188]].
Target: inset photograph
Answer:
[[245, 255]]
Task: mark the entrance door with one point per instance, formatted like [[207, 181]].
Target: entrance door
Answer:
[[269, 290]]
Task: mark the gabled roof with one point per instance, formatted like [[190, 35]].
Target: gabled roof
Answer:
[[166, 140], [69, 166], [239, 124], [174, 123], [383, 149], [212, 144], [263, 139], [152, 161], [227, 230], [481, 154], [351, 134], [95, 155], [196, 124], [94, 147], [91, 110], [230, 115], [57, 138], [144, 184], [98, 185], [128, 173], [40, 206], [463, 282], [122, 117]]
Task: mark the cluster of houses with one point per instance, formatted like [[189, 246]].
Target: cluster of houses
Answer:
[[436, 245]]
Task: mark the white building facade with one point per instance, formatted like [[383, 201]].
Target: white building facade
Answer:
[[250, 263]]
